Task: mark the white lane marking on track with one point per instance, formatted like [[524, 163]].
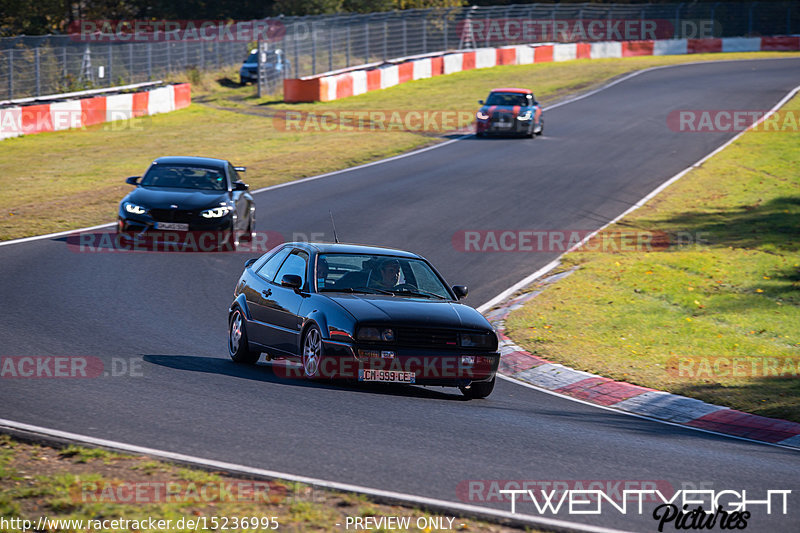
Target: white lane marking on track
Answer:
[[637, 415], [344, 487]]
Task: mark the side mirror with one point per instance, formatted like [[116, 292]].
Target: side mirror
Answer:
[[460, 291], [535, 102], [240, 169], [133, 180], [249, 262], [293, 281], [240, 186], [480, 102]]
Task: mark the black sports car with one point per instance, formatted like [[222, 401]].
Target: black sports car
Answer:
[[361, 313], [197, 196]]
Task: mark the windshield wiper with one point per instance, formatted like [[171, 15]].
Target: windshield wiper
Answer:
[[360, 290], [419, 292]]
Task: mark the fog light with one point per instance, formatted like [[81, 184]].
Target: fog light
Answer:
[[369, 353], [467, 360]]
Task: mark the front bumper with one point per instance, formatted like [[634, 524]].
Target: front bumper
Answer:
[[514, 127], [430, 366]]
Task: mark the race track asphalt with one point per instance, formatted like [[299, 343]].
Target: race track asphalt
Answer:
[[165, 313]]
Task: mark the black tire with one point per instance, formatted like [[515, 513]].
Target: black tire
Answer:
[[238, 345], [477, 391], [312, 353]]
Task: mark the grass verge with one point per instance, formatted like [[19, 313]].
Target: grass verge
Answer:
[[76, 483], [715, 317], [65, 180]]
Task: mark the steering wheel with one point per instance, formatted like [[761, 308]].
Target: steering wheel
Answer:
[[404, 287]]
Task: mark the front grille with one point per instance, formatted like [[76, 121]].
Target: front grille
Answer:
[[171, 215], [426, 337], [501, 117]]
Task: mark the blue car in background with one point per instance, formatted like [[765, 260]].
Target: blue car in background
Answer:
[[276, 66]]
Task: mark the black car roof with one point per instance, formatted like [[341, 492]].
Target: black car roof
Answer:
[[209, 162], [345, 248]]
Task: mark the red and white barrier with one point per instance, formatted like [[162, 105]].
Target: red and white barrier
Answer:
[[358, 81], [79, 113]]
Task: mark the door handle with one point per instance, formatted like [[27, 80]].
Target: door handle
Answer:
[[267, 292]]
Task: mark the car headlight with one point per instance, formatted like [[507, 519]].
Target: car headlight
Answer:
[[481, 116], [526, 116], [217, 212], [375, 334], [135, 209], [475, 340]]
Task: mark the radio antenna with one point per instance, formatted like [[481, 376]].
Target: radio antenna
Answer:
[[335, 237]]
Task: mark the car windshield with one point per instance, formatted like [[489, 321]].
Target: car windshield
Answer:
[[379, 274], [252, 58], [509, 99], [184, 177]]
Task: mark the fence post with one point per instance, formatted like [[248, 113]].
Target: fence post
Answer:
[[750, 19], [185, 54], [110, 64], [149, 61], [330, 47], [64, 61], [405, 38], [11, 74], [37, 72], [130, 62], [313, 50], [385, 39], [169, 57], [446, 16], [296, 54], [677, 20], [347, 34], [366, 40], [216, 52], [424, 35]]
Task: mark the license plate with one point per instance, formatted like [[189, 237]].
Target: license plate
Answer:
[[503, 124], [386, 376], [172, 226]]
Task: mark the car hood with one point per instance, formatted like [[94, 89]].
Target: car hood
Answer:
[[514, 110], [164, 197], [401, 310]]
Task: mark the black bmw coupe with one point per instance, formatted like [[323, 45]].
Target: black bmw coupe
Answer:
[[361, 313], [197, 196]]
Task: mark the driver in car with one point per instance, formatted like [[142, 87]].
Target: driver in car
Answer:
[[386, 276]]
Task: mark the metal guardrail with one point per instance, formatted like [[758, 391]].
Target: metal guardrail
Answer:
[[33, 66], [91, 92]]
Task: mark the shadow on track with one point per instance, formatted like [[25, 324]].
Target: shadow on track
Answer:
[[271, 373]]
